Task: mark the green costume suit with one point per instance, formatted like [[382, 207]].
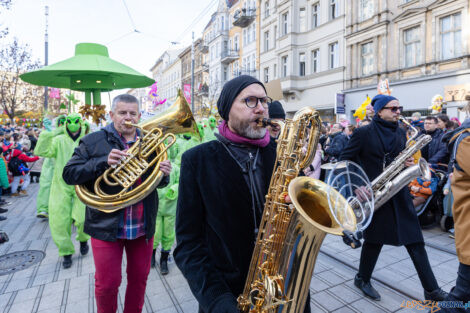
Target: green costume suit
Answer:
[[47, 171], [166, 216], [208, 132], [64, 205]]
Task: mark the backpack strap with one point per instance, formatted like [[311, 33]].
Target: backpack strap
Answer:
[[453, 157]]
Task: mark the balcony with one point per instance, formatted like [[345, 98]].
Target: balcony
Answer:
[[228, 56], [248, 72], [244, 17], [204, 48], [205, 67]]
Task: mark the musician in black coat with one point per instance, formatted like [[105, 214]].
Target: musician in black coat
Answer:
[[374, 147], [221, 199]]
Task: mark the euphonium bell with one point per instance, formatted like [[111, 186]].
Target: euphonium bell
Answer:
[[147, 151]]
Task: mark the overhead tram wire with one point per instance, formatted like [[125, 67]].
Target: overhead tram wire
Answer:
[[197, 19]]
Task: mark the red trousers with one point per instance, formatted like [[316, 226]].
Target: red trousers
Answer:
[[108, 259]]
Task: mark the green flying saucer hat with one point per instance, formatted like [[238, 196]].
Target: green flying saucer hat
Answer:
[[90, 70]]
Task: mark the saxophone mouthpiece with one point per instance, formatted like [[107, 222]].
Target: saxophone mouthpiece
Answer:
[[263, 122]]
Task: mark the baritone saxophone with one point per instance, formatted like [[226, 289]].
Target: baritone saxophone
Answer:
[[290, 234]]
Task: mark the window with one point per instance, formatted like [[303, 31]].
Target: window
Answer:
[[367, 58], [284, 66], [266, 74], [266, 9], [366, 9], [315, 16], [225, 74], [333, 11], [253, 32], [302, 20], [284, 23], [266, 41], [248, 35], [451, 36], [315, 60], [275, 71], [334, 57], [412, 45], [301, 64], [275, 33], [244, 37], [222, 23], [253, 61], [236, 43]]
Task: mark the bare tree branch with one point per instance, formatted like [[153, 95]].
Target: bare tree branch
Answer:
[[16, 59]]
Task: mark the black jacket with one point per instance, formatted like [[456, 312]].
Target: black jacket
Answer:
[[88, 162], [395, 223], [337, 144], [214, 223], [436, 151]]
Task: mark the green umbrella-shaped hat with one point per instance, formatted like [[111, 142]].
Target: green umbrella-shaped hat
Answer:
[[90, 70]]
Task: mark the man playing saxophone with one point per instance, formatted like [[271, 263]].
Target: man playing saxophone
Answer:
[[374, 147], [222, 190], [131, 228]]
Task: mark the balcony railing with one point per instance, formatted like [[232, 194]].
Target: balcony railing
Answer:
[[229, 56], [244, 17], [204, 48], [205, 67], [250, 72]]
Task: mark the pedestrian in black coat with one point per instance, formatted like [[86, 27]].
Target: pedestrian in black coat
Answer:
[[436, 151], [221, 199], [374, 147], [337, 142]]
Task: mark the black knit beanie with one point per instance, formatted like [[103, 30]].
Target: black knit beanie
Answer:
[[276, 110], [231, 90]]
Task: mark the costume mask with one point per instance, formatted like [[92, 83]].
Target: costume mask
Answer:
[[212, 122], [74, 121], [61, 120], [200, 128]]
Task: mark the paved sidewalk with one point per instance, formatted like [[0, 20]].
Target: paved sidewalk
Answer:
[[47, 287]]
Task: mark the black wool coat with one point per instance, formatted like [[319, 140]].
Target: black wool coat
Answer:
[[214, 223], [396, 222]]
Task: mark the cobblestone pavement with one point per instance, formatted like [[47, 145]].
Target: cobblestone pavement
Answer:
[[47, 287]]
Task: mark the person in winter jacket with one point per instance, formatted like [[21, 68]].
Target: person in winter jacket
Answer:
[[17, 166], [221, 197], [416, 121], [4, 184], [276, 113], [65, 207], [374, 147], [131, 228], [421, 189], [337, 142], [436, 151], [459, 146]]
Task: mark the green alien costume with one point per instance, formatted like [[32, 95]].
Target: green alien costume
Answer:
[[47, 171], [166, 216], [208, 132], [64, 205]]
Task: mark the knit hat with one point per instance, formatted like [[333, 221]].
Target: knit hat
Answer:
[[276, 110], [417, 115], [380, 101], [231, 90]]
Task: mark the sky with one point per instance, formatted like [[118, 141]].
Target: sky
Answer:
[[107, 22]]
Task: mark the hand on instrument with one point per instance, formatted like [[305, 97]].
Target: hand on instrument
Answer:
[[165, 167], [115, 156], [410, 162], [362, 193]]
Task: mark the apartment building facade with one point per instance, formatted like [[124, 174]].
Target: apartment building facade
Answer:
[[302, 44], [420, 46]]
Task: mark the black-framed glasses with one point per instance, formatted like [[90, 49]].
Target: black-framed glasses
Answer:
[[252, 101], [394, 109]]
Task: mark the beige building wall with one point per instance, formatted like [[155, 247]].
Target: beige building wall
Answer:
[[420, 46], [302, 44]]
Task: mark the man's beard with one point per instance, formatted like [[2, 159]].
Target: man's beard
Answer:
[[246, 130]]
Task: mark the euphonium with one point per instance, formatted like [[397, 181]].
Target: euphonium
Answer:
[[395, 176], [290, 235], [147, 151]]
